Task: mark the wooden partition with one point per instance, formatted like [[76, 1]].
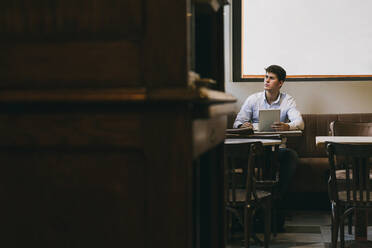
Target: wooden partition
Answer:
[[105, 140]]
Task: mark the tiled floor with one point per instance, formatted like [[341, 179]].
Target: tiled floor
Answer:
[[302, 230]]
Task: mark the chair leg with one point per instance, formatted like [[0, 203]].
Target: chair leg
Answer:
[[350, 224], [229, 225], [248, 214], [274, 215], [267, 224], [335, 226], [342, 232]]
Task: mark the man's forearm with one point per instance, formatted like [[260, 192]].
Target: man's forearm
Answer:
[[296, 125]]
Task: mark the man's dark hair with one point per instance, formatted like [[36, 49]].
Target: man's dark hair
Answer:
[[278, 71]]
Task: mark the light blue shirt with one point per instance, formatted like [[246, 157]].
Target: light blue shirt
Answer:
[[286, 103]]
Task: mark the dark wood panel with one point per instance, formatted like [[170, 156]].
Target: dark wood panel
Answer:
[[198, 94], [169, 178], [113, 95], [166, 61], [70, 19], [70, 129], [72, 199], [210, 4], [208, 133], [83, 64], [204, 99], [214, 110], [211, 198]]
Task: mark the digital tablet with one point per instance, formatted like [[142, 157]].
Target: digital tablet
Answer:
[[266, 118]]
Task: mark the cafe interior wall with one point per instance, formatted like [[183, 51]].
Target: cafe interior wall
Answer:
[[312, 97]]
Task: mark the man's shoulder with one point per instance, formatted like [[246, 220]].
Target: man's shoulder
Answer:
[[287, 96]]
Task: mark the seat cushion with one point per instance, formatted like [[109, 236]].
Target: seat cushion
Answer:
[[341, 174], [342, 195]]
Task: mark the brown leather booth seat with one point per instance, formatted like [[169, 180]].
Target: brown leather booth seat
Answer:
[[311, 174], [342, 128]]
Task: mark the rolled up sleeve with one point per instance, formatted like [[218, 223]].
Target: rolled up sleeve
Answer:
[[245, 113], [294, 116]]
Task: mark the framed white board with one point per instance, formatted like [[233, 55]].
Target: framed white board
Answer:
[[312, 40]]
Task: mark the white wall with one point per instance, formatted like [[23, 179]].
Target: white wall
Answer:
[[312, 97]]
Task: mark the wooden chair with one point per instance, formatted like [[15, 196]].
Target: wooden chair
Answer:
[[242, 202], [343, 128], [268, 175], [355, 191]]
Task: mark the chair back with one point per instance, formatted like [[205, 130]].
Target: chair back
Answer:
[[341, 128], [256, 170], [245, 166], [356, 161]]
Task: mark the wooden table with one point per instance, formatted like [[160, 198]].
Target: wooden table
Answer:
[[289, 133], [290, 138], [361, 218], [265, 142], [320, 140]]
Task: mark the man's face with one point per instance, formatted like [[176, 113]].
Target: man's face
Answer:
[[271, 82]]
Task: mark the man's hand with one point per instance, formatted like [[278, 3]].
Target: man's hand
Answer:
[[247, 125], [280, 126]]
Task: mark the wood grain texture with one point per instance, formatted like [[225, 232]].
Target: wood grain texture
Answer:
[[96, 126], [72, 199], [169, 178], [118, 95], [25, 20], [212, 201], [125, 94], [79, 177], [166, 61], [66, 65], [214, 110], [198, 94], [208, 133], [70, 130]]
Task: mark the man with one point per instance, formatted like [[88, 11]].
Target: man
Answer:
[[271, 98], [290, 119]]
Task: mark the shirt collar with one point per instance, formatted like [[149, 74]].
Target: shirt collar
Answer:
[[274, 102]]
